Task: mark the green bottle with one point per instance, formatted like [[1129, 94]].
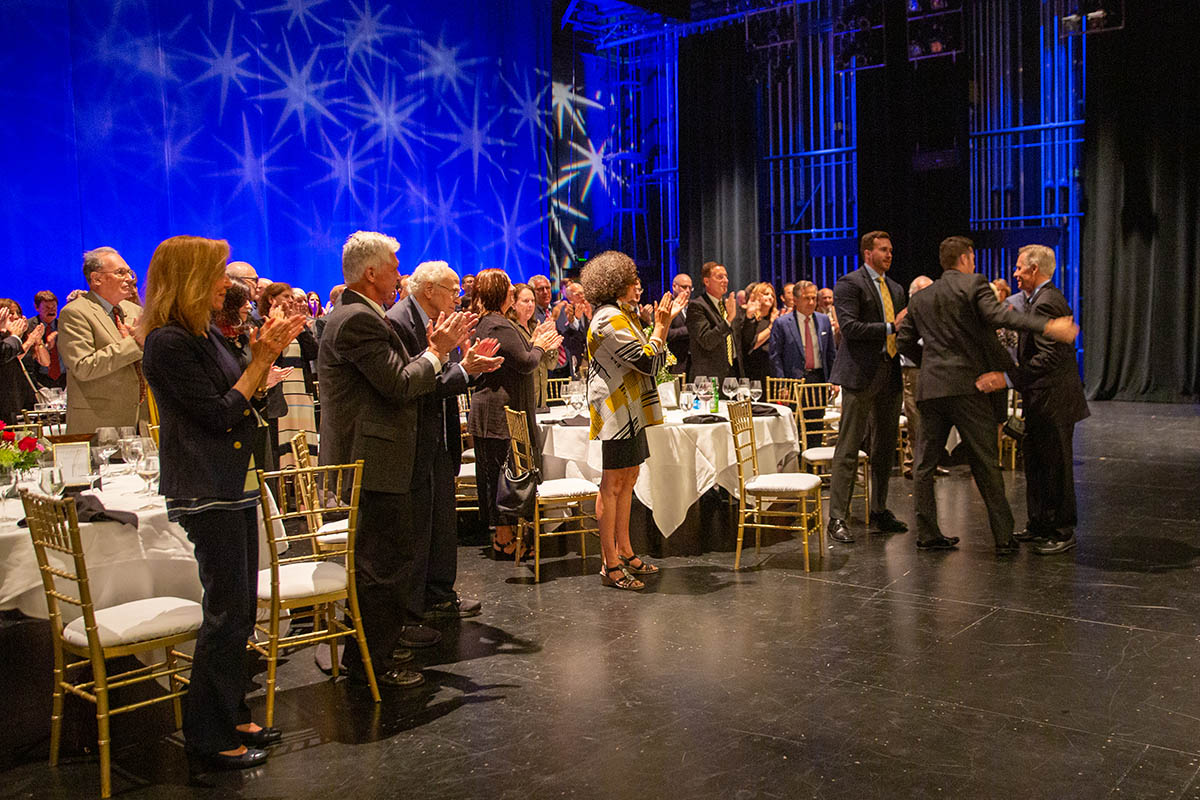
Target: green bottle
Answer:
[[713, 407]]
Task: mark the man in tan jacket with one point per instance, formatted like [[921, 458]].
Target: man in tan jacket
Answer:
[[99, 346]]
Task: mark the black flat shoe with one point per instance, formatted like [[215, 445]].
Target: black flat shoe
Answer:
[[417, 636], [260, 738], [885, 522], [1050, 547], [838, 531], [253, 757], [1025, 536], [392, 679], [944, 543], [1011, 548]]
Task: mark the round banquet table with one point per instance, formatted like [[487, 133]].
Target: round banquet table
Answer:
[[154, 560], [686, 460]]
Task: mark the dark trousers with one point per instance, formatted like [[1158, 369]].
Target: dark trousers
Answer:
[[435, 534], [874, 410], [490, 455], [972, 414], [226, 545], [1049, 475], [383, 558]]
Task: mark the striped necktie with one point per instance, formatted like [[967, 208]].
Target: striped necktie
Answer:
[[729, 337], [889, 315]]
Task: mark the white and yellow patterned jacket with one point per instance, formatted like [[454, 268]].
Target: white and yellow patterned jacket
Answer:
[[622, 392]]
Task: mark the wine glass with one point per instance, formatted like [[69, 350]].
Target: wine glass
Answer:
[[704, 392], [132, 451], [743, 391], [755, 390], [8, 480], [147, 470], [575, 391], [52, 482], [686, 394], [126, 432], [729, 388], [106, 446]]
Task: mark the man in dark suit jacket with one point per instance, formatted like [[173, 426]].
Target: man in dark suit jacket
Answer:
[[370, 389], [434, 289], [960, 358], [1048, 379], [801, 345], [572, 324], [869, 305], [678, 341], [711, 317]]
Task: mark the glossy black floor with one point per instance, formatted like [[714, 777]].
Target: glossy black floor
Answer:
[[884, 673]]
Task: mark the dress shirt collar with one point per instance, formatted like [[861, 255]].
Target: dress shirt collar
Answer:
[[424, 316], [107, 306], [378, 308], [875, 276]]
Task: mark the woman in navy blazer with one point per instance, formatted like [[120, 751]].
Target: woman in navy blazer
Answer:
[[205, 445]]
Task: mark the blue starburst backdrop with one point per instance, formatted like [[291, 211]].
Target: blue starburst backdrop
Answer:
[[280, 125]]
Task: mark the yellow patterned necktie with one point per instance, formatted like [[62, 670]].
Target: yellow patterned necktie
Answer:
[[889, 315], [728, 338]]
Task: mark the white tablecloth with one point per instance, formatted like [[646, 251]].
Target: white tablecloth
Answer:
[[123, 564], [685, 460]]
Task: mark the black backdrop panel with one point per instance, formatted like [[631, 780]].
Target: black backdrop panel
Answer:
[[1141, 235], [718, 184]]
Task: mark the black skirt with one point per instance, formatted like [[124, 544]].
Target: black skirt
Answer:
[[622, 453]]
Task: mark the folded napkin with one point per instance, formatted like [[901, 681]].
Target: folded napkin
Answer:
[[577, 421], [704, 419], [764, 410], [89, 509]]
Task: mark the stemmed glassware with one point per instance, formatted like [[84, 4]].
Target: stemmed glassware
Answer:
[[685, 397], [51, 482], [147, 470], [575, 395], [729, 388], [743, 392], [704, 392], [107, 444], [755, 390], [8, 481]]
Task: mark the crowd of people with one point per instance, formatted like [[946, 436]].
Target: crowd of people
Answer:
[[233, 362]]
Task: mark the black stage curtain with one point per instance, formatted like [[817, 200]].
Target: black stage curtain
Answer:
[[718, 171], [1141, 236]]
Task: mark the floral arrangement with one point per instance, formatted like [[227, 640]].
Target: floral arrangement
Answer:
[[17, 453], [664, 373]]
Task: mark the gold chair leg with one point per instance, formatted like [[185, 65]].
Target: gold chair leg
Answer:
[[737, 556], [582, 533], [57, 707], [361, 639], [169, 654], [537, 544], [272, 666], [867, 489], [103, 741]]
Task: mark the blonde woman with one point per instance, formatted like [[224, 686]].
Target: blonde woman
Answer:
[[205, 442], [521, 314], [623, 400], [754, 330]]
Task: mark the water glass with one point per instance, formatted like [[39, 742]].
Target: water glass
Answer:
[[686, 395], [8, 481], [755, 390], [52, 482], [147, 470], [729, 388]]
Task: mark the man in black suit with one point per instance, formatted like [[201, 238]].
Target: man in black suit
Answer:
[[677, 335], [960, 358], [572, 324], [1048, 379], [370, 389], [869, 306], [711, 317], [434, 289]]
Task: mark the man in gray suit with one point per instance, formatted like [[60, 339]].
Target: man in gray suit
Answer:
[[370, 385], [950, 333]]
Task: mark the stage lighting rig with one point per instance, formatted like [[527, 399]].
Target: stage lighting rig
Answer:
[[935, 28], [858, 35], [1092, 16]]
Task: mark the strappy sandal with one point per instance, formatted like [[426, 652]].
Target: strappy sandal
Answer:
[[641, 568], [624, 580], [504, 549]]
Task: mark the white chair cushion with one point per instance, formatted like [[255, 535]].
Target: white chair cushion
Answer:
[[781, 482], [566, 487], [467, 470], [903, 420], [334, 532], [832, 414], [468, 455], [303, 580], [813, 454], [138, 621]]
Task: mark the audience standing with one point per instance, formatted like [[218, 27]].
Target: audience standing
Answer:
[[801, 346], [711, 316]]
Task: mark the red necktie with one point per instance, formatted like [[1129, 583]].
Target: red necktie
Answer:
[[810, 361]]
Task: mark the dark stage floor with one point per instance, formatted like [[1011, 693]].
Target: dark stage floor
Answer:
[[884, 673]]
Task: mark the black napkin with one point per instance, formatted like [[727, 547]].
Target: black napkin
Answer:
[[89, 509], [704, 419], [764, 410], [577, 421]]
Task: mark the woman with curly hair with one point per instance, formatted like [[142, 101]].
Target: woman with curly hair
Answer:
[[623, 400]]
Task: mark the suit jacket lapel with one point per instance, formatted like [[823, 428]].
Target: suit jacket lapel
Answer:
[[872, 290]]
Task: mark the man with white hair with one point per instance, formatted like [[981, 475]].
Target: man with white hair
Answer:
[[434, 290], [1048, 379], [370, 390], [541, 297], [101, 348]]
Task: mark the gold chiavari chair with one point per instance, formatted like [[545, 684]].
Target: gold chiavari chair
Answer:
[[554, 391], [758, 493], [314, 584], [559, 494], [326, 535], [784, 391], [98, 635], [26, 428], [52, 422], [155, 421], [819, 460], [903, 444]]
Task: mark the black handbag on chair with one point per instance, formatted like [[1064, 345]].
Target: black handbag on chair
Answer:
[[516, 493]]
